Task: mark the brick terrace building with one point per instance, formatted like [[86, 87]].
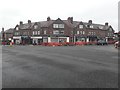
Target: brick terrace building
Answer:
[[61, 31]]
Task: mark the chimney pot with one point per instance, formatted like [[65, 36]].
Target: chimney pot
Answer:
[[106, 24], [29, 21], [70, 19], [21, 22], [90, 21], [48, 19]]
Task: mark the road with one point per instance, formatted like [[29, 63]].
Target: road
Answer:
[[59, 67]]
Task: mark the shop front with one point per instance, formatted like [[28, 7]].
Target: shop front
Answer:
[[37, 40], [26, 40], [80, 38], [17, 39]]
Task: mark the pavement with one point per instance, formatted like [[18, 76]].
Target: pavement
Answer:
[[59, 67]]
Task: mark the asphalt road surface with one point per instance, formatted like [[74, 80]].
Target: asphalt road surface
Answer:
[[59, 67]]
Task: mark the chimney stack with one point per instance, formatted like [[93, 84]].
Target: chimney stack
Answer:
[[90, 21], [48, 19], [106, 24], [29, 21], [21, 22], [2, 29], [70, 19]]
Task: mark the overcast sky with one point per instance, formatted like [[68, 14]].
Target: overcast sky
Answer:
[[100, 11]]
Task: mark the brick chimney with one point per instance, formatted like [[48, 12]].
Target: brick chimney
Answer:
[[21, 23], [48, 18], [2, 29], [29, 21], [90, 21], [70, 19], [106, 24]]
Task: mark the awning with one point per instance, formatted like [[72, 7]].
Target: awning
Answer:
[[16, 37], [36, 37]]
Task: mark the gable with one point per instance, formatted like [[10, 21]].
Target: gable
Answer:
[[58, 21], [110, 29]]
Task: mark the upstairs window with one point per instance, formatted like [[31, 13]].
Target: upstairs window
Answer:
[[33, 33], [91, 26], [100, 27], [38, 32], [78, 32], [45, 32], [83, 32], [58, 25], [55, 25], [61, 32], [81, 26], [61, 25], [55, 32], [17, 33], [36, 26]]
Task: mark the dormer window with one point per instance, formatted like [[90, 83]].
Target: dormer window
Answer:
[[91, 26], [58, 25], [80, 26], [35, 27], [100, 27]]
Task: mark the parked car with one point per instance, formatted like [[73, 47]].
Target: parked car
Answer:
[[102, 42], [117, 44]]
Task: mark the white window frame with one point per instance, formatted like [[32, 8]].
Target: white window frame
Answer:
[[80, 26], [56, 32], [36, 26], [58, 25], [55, 25], [45, 31], [61, 32], [100, 27], [83, 32], [33, 33], [91, 26], [78, 32], [38, 32]]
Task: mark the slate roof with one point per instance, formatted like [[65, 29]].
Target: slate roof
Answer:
[[9, 30], [69, 24], [26, 26]]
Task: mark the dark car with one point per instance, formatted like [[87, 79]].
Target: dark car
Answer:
[[102, 42]]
